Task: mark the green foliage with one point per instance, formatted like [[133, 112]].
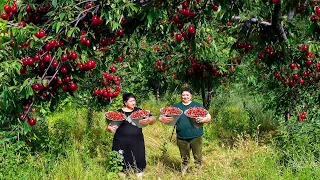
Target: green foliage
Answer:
[[11, 155], [235, 112], [233, 120], [296, 141], [115, 161]]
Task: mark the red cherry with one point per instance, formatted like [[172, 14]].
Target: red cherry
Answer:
[[67, 79], [74, 55], [22, 24], [104, 41], [179, 37], [120, 33], [73, 87], [191, 29], [313, 18], [32, 122], [23, 70], [293, 66], [89, 5], [4, 16], [42, 33], [249, 46], [113, 69], [64, 58], [52, 43], [30, 61], [309, 62], [28, 8], [301, 81], [60, 43], [37, 87], [91, 64], [55, 64], [83, 40], [47, 47], [7, 8], [22, 116], [88, 42], [176, 19], [317, 10], [123, 20], [47, 58], [64, 70], [215, 7], [295, 76], [261, 56], [95, 20], [120, 58], [65, 87]]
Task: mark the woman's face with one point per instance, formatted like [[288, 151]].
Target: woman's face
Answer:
[[186, 96], [131, 103]]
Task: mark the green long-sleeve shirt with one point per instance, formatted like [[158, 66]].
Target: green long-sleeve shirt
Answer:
[[185, 130]]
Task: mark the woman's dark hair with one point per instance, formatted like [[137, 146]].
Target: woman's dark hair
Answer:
[[186, 89], [126, 97]]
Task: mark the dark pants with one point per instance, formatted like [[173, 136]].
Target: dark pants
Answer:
[[186, 145]]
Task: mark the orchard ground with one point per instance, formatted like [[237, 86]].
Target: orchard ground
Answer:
[[63, 148]]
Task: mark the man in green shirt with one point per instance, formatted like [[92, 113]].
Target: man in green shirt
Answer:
[[189, 137]]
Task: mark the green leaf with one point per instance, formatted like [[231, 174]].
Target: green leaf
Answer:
[[54, 3], [24, 84], [5, 94], [70, 32], [62, 15], [115, 25], [150, 18], [139, 67], [58, 27]]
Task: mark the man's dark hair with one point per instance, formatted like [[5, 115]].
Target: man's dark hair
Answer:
[[186, 89], [126, 97]]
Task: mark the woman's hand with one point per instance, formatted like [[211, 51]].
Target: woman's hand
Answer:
[[165, 119], [112, 128], [205, 119], [147, 120]]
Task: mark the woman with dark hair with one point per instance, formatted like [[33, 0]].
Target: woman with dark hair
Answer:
[[128, 139], [188, 137]]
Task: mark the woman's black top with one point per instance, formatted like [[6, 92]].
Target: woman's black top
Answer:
[[126, 130], [129, 142]]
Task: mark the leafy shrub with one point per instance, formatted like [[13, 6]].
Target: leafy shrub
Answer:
[[236, 112], [115, 161], [298, 142]]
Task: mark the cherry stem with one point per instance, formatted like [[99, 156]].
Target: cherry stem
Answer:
[[45, 73], [26, 114], [55, 74], [85, 2], [84, 15]]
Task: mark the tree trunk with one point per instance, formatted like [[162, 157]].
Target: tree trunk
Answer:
[[206, 93], [203, 94], [158, 93]]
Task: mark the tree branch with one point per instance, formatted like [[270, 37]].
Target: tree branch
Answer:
[[276, 24]]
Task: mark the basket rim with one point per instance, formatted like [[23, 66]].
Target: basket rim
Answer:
[[105, 115], [172, 114], [141, 117], [185, 112]]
